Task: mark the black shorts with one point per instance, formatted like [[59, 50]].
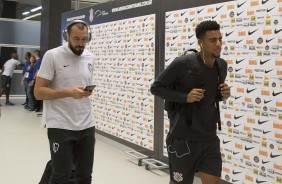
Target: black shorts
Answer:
[[5, 81], [187, 157]]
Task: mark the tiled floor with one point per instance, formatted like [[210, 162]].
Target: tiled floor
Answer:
[[24, 153]]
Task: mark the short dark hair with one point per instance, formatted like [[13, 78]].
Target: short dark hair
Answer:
[[37, 52], [203, 27], [28, 54], [80, 26]]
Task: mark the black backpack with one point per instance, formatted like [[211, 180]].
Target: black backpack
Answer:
[[194, 66]]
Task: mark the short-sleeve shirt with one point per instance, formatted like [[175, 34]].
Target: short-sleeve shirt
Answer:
[[10, 66], [37, 66], [66, 70]]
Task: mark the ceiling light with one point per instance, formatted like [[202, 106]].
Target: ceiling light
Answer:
[[32, 16], [35, 9], [25, 13]]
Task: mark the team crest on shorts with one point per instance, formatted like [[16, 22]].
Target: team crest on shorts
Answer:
[[177, 176]]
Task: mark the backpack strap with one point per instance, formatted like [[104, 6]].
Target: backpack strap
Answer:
[[222, 73], [194, 65]]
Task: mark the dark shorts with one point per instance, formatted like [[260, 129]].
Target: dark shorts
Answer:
[[5, 81], [187, 157]]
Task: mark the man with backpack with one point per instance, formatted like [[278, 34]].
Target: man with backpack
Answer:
[[192, 85]]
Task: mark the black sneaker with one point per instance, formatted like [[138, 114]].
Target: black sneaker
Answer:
[[9, 104]]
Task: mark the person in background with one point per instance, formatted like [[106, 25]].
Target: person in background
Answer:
[[6, 77], [192, 142], [26, 81], [26, 65], [67, 111], [36, 54]]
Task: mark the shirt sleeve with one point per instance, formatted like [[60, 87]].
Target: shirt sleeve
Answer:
[[47, 70], [163, 85]]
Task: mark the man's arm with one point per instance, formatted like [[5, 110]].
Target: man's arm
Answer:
[[42, 91], [163, 85]]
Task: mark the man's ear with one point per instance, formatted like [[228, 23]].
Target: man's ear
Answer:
[[200, 43]]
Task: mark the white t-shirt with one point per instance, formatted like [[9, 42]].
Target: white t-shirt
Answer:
[[66, 70], [10, 66]]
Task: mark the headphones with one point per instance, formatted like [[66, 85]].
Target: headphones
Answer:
[[66, 34]]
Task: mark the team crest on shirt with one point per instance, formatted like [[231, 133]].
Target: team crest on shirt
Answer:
[[90, 67], [55, 147], [91, 15], [177, 176]]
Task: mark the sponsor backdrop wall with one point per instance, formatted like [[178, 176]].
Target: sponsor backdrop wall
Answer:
[[135, 40], [124, 43]]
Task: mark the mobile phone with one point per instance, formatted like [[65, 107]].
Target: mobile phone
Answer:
[[89, 88]]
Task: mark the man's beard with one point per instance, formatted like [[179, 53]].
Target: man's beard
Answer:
[[77, 50]]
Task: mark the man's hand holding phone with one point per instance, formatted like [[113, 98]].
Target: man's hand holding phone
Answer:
[[89, 88]]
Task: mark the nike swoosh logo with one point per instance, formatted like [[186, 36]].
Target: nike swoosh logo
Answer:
[[263, 62], [268, 10], [168, 15], [225, 142], [258, 182], [277, 31], [234, 180], [265, 132], [167, 60], [267, 71], [199, 11], [174, 37], [269, 40], [274, 156], [267, 101], [238, 117], [66, 65], [239, 61], [250, 90], [275, 94], [252, 32], [227, 34], [239, 41], [236, 172], [173, 22], [183, 13], [238, 14], [173, 44], [218, 8], [192, 19], [189, 37], [151, 38], [265, 162], [236, 125], [237, 70], [263, 2], [262, 122], [239, 5], [248, 148], [237, 97], [214, 16], [235, 153]]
